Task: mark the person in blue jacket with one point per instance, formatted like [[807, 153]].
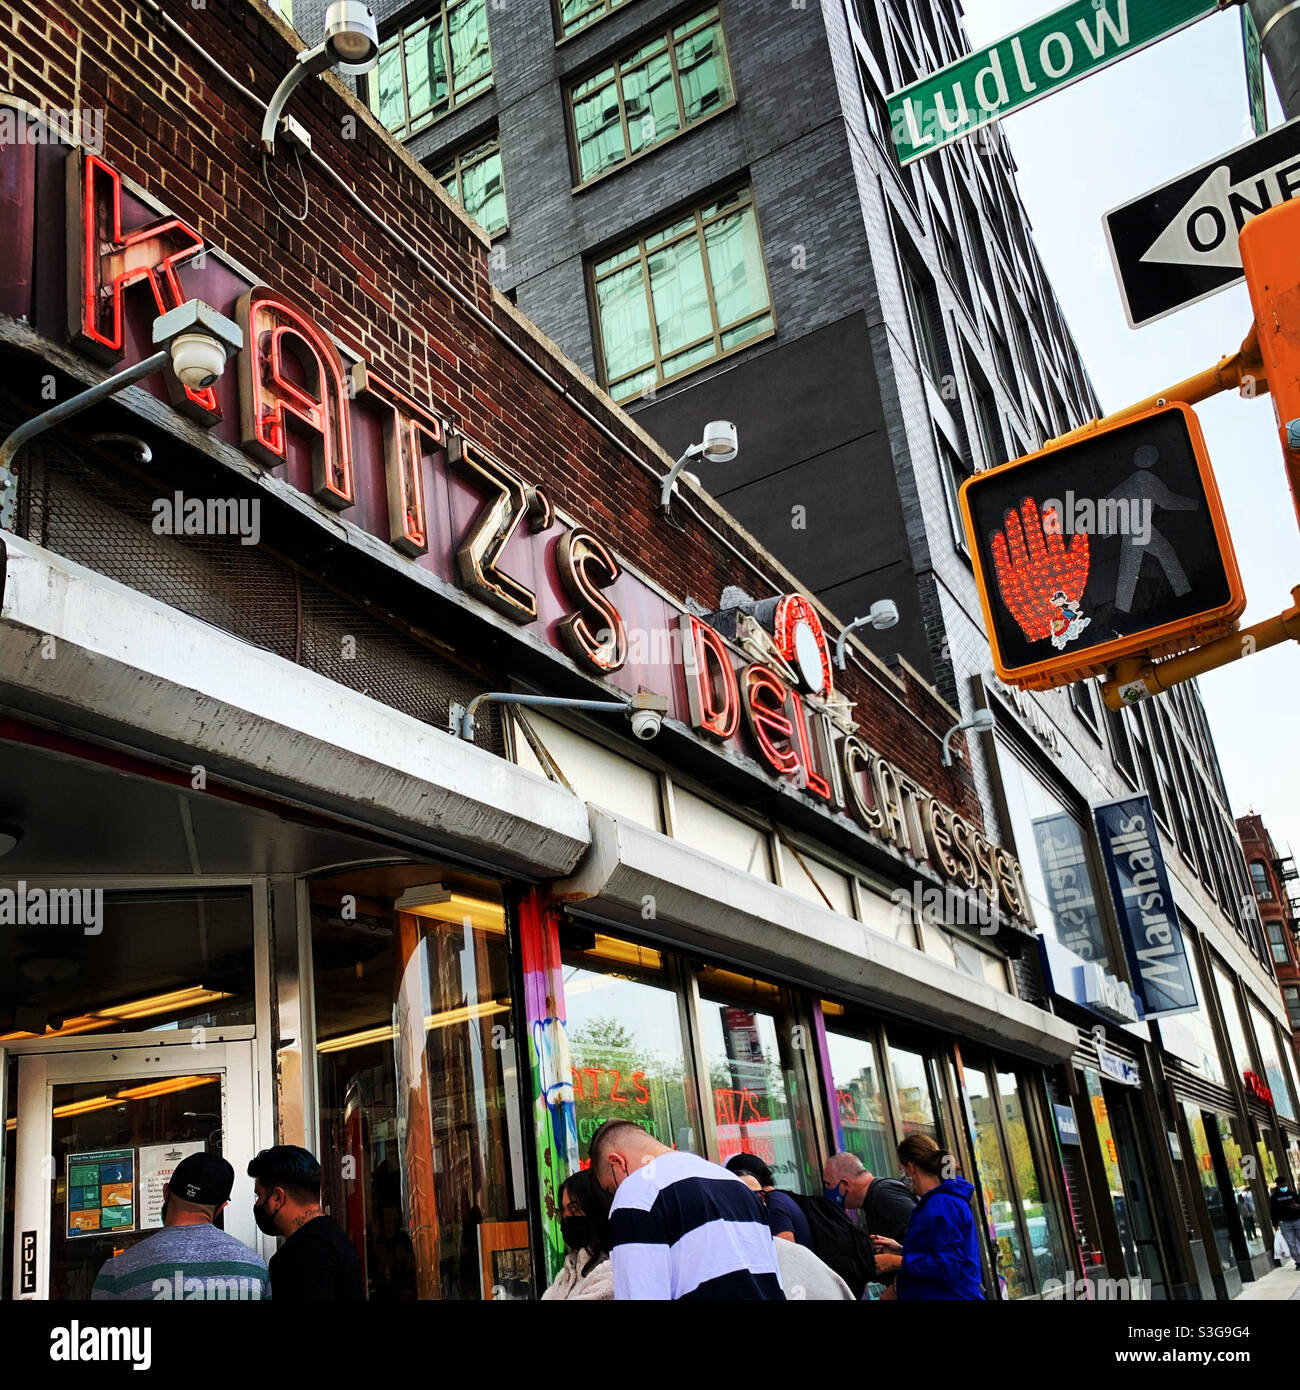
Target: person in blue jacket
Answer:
[[940, 1256]]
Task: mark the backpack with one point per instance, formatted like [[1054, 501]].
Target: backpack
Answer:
[[838, 1242]]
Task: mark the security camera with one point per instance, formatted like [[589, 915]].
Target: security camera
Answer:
[[197, 359], [646, 723]]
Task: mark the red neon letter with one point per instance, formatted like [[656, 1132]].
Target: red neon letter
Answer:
[[812, 779], [764, 699], [410, 432], [275, 333], [710, 680]]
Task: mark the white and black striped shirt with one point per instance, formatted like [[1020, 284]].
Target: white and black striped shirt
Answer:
[[684, 1228]]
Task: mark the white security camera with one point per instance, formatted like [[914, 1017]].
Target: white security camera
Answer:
[[646, 723], [197, 359]]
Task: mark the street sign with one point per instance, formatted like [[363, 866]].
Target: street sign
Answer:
[[1254, 56], [1177, 244], [1078, 39], [1110, 545]]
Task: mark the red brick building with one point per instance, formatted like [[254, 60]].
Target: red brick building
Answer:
[[1276, 884]]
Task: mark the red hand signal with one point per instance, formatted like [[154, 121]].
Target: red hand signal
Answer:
[[1033, 565]]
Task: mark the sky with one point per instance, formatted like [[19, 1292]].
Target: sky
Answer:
[[1081, 152]]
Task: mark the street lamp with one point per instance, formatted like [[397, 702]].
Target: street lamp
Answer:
[[644, 710], [983, 721], [882, 614], [720, 445], [351, 42], [193, 339]]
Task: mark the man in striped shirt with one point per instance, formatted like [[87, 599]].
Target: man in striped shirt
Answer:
[[681, 1227]]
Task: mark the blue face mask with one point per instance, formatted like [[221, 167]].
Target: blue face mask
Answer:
[[836, 1195]]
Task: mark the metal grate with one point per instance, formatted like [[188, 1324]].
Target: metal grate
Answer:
[[96, 511]]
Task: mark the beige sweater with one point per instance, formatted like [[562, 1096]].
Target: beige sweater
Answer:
[[570, 1283]]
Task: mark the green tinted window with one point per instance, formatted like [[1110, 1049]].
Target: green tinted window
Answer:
[[475, 180], [430, 65], [649, 94], [682, 295], [577, 14]]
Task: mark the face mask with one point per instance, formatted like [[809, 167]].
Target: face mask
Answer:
[[836, 1195], [576, 1231], [265, 1220]]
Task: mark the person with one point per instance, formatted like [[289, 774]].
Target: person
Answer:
[[803, 1275], [584, 1222], [680, 1226], [1284, 1209], [168, 1265], [317, 1260], [939, 1256], [785, 1219], [885, 1203]]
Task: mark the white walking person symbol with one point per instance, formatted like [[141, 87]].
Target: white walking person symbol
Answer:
[[1144, 486]]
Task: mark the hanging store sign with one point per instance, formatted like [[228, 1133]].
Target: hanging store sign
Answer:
[[324, 420], [1144, 906], [1085, 983], [1067, 1127]]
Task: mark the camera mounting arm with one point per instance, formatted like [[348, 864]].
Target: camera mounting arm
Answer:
[[646, 708]]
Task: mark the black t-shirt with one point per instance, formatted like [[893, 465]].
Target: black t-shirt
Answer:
[[317, 1262], [887, 1209]]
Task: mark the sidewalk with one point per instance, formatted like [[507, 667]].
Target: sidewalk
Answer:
[[1277, 1284]]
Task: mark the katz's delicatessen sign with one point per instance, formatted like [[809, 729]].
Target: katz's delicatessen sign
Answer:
[[755, 680]]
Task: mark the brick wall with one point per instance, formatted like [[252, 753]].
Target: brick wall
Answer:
[[179, 128]]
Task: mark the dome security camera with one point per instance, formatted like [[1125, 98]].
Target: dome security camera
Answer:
[[197, 359], [646, 723]]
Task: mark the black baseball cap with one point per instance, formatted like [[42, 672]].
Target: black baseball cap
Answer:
[[203, 1178]]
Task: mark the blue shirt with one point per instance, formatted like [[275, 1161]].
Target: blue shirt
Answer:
[[941, 1253], [784, 1214]]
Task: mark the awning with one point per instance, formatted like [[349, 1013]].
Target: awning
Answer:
[[126, 667], [636, 877]]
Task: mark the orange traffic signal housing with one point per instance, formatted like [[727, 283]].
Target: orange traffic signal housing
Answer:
[[1108, 545], [1270, 256]]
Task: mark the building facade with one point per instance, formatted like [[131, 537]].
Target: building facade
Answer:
[[703, 206], [1273, 878], [264, 882]]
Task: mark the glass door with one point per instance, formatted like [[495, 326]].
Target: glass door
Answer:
[[99, 1132]]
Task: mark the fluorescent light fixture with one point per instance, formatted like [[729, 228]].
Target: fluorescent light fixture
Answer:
[[447, 1019], [177, 1000], [446, 905]]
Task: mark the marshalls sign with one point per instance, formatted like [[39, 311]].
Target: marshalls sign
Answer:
[[1072, 42]]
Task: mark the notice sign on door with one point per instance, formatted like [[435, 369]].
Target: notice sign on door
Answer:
[[157, 1164], [101, 1192]]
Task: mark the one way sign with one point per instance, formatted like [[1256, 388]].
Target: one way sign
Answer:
[[1178, 244]]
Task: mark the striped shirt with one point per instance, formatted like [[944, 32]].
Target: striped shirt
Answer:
[[685, 1228], [184, 1262]]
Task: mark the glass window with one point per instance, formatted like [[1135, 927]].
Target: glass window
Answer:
[[149, 962], [1114, 1176], [817, 882], [1241, 1057], [859, 1093], [1042, 1222], [1259, 878], [1277, 942], [431, 65], [420, 1082], [996, 1186], [626, 1042], [577, 14], [714, 831], [954, 470], [1204, 1161], [992, 442], [475, 180], [759, 1088], [916, 1106], [887, 911], [1292, 997], [1242, 1191], [1190, 1035], [1274, 1076], [662, 86], [1055, 857], [923, 326], [682, 295]]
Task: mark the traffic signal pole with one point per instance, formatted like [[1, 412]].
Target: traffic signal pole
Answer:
[[1278, 22]]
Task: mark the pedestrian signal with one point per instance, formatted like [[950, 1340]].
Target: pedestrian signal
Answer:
[[1110, 545]]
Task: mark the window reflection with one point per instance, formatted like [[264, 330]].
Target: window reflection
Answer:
[[1041, 1222], [860, 1100], [996, 1186]]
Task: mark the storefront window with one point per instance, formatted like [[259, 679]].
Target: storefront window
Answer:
[[859, 1096], [1190, 1035], [916, 1108], [1243, 1193], [1041, 1221], [1276, 1079], [625, 1042], [759, 1087], [1214, 1201], [1053, 847], [152, 961], [996, 1186], [422, 1140], [1114, 1179]]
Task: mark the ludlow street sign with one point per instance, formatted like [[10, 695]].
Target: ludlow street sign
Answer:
[[1043, 57], [1177, 244]]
